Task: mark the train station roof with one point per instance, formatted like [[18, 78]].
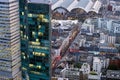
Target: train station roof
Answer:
[[87, 5]]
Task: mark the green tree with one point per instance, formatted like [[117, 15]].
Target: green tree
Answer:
[[112, 67], [77, 65]]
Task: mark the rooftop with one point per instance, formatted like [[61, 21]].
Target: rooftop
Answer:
[[40, 1], [6, 0], [96, 59], [59, 78], [114, 74], [72, 71], [87, 5]]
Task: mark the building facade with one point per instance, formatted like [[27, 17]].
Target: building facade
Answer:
[[35, 39], [85, 68], [59, 78], [97, 65], [111, 38], [10, 60], [113, 75], [72, 74]]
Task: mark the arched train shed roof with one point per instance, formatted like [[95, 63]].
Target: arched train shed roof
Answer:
[[87, 5]]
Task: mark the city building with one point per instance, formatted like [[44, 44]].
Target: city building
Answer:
[[88, 25], [116, 26], [35, 39], [59, 78], [111, 38], [115, 4], [85, 68], [113, 75], [105, 23], [72, 73], [97, 65], [117, 38], [115, 61], [90, 59], [103, 37], [10, 57], [105, 62], [108, 48], [108, 38]]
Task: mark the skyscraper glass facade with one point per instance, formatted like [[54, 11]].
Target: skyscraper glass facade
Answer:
[[35, 41]]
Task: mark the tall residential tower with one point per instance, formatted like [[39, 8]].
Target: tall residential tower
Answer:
[[10, 60], [35, 39]]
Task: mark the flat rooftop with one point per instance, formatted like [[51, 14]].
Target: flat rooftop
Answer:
[[40, 1]]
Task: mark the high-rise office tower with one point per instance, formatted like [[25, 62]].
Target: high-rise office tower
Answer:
[[35, 39], [10, 58]]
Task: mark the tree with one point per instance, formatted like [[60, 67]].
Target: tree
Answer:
[[112, 67], [77, 65]]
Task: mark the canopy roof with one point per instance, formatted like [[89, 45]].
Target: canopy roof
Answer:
[[87, 5]]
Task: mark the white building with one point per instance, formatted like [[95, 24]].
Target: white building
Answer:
[[110, 25], [104, 37], [105, 62], [88, 25], [111, 38], [115, 4], [116, 26], [97, 65], [82, 42], [59, 78], [105, 23], [79, 40], [10, 58], [85, 68], [71, 73]]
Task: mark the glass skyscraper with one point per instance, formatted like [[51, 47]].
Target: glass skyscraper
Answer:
[[10, 57], [35, 39]]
